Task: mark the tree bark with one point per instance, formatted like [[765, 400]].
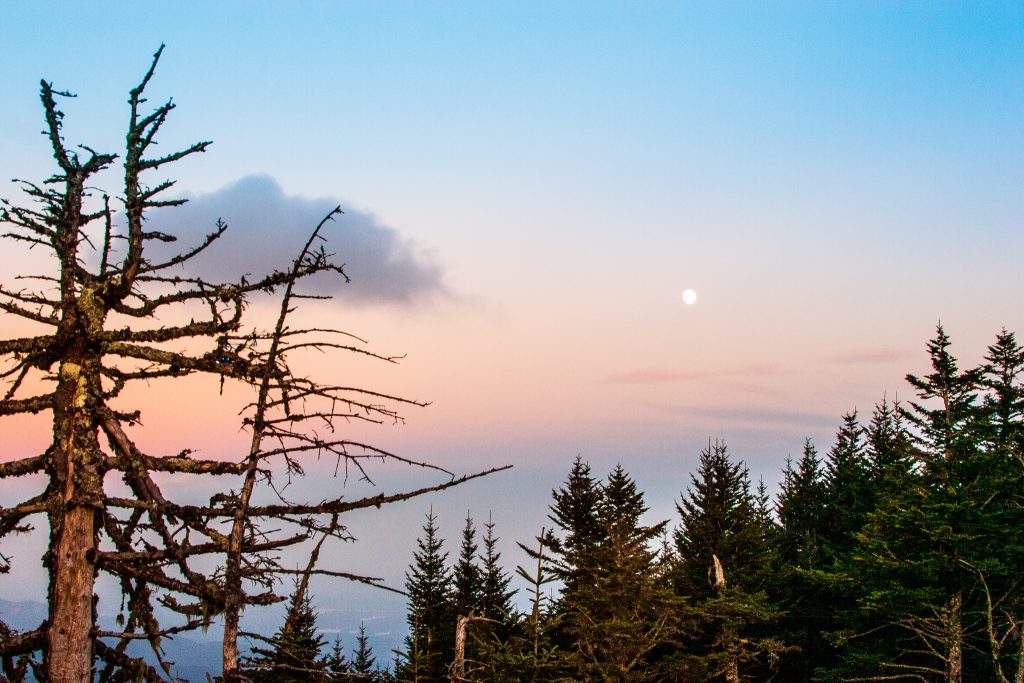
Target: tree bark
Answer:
[[72, 557], [459, 665], [955, 639], [70, 637]]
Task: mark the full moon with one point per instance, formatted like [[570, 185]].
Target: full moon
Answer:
[[689, 297]]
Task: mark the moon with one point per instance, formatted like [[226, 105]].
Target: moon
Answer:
[[689, 297]]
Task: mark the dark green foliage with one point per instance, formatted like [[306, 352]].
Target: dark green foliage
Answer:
[[575, 514], [801, 505], [294, 654], [848, 488], [817, 595], [495, 588], [336, 665], [1004, 403], [723, 565], [900, 556], [363, 664], [718, 517], [467, 578], [431, 630], [626, 611], [941, 525]]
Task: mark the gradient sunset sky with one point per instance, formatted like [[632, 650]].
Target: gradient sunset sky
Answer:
[[530, 186]]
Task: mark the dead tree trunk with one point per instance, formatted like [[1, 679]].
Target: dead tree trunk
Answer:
[[151, 546], [458, 670], [459, 665], [955, 639], [71, 617], [716, 577]]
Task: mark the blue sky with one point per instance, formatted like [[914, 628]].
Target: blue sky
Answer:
[[832, 178]]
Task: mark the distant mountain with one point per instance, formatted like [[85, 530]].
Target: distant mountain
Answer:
[[195, 655], [192, 657], [23, 615]]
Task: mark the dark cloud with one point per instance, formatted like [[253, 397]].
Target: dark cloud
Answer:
[[266, 229]]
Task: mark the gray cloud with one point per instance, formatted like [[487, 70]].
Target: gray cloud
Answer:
[[266, 229]]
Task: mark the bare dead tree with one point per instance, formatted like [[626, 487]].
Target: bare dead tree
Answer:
[[109, 317], [457, 669]]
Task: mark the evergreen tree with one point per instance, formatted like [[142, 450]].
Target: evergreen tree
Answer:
[[467, 578], [717, 516], [336, 665], [430, 642], [933, 521], [467, 587], [625, 613], [363, 660], [998, 569], [799, 589], [1001, 375], [525, 651], [723, 566], [888, 449], [800, 507], [848, 495], [500, 634], [294, 653], [574, 513], [495, 591]]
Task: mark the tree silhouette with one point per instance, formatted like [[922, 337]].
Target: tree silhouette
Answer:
[[107, 314]]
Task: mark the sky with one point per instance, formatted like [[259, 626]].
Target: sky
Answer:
[[529, 188]]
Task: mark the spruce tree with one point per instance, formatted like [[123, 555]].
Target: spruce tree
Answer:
[[723, 563], [294, 654], [363, 659], [998, 570], [798, 587], [931, 524], [848, 494], [574, 513], [717, 518], [501, 636], [467, 579], [1004, 402], [336, 665], [625, 613], [430, 642], [495, 590], [800, 507]]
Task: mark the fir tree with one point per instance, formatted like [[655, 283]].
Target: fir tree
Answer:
[[1001, 375], [362, 667], [998, 569], [915, 545], [336, 665], [467, 579], [799, 589], [294, 655], [500, 634], [626, 613], [574, 513], [431, 633], [847, 492], [717, 516], [467, 587], [495, 591], [723, 564], [800, 508]]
